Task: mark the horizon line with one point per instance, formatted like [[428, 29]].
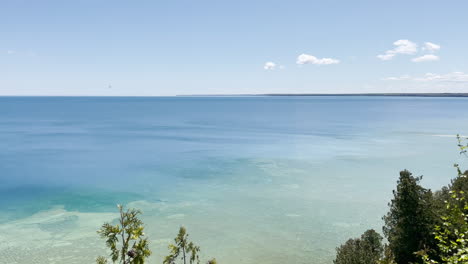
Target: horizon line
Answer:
[[265, 94]]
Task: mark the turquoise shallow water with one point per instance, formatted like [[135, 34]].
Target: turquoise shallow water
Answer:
[[255, 179]]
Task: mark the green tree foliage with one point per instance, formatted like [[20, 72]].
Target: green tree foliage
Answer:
[[463, 146], [126, 239], [409, 223], [388, 257], [182, 249], [452, 235], [101, 260], [458, 185], [367, 249]]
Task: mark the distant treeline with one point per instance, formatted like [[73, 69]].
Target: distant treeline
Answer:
[[350, 94], [382, 94]]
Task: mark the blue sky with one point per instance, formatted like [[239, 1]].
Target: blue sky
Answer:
[[171, 47]]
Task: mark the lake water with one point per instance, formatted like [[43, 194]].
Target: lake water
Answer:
[[254, 179]]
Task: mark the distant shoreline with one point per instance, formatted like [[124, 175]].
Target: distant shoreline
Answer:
[[357, 94], [259, 95]]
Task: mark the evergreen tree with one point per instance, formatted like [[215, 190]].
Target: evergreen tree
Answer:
[[388, 257], [409, 223], [182, 250], [367, 249], [459, 185], [119, 237]]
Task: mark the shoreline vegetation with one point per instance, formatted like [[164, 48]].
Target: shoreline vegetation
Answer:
[[341, 94], [421, 226]]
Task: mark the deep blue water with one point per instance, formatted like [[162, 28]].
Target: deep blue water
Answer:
[[293, 170]]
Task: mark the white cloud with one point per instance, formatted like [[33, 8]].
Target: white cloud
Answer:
[[424, 58], [21, 53], [431, 47], [405, 46], [269, 66], [309, 59], [402, 46], [400, 78], [457, 77], [386, 56]]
